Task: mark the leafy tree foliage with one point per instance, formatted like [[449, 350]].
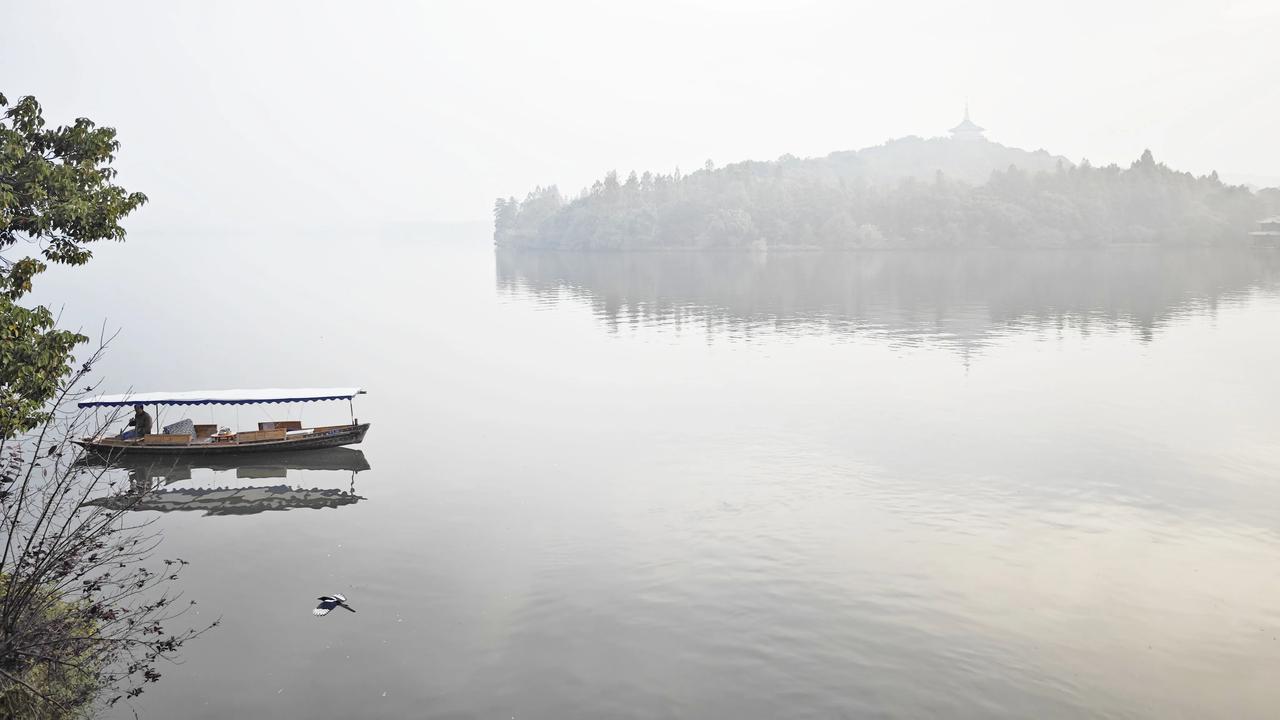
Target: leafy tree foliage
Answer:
[[845, 201], [82, 616], [56, 196]]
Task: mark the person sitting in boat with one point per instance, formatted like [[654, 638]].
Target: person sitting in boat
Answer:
[[141, 424]]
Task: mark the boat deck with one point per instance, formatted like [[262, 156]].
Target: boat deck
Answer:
[[263, 440]]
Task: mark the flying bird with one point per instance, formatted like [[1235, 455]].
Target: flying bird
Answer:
[[329, 602]]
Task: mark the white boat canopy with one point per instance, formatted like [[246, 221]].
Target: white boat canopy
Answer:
[[223, 397]]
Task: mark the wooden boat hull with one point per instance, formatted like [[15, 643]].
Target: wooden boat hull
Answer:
[[254, 465], [112, 449]]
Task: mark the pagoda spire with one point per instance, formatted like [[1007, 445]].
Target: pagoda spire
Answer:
[[967, 129]]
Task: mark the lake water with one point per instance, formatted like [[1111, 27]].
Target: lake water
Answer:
[[699, 485]]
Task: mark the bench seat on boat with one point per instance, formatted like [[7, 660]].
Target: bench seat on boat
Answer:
[[167, 439], [260, 435]]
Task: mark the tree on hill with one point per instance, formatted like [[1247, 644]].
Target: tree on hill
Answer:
[[842, 201]]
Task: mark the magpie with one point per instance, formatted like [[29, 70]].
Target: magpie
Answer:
[[329, 602]]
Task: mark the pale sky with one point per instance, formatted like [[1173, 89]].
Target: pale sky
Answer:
[[272, 114]]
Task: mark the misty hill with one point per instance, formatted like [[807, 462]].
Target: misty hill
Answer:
[[940, 192], [922, 159]]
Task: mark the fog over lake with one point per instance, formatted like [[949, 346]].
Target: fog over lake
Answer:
[[720, 359], [1025, 484]]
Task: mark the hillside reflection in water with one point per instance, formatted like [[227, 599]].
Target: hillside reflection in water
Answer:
[[903, 297]]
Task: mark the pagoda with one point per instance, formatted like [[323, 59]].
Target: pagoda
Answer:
[[967, 130]]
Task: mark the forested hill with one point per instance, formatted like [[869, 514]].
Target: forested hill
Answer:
[[915, 157], [909, 193]]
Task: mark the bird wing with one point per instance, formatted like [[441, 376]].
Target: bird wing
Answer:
[[324, 607]]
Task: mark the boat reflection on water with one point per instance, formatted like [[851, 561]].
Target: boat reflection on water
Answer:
[[148, 476]]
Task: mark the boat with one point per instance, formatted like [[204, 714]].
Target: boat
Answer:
[[1268, 233], [210, 440]]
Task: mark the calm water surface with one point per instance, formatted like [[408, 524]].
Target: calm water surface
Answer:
[[671, 486]]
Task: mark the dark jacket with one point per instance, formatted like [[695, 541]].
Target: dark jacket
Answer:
[[141, 422]]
